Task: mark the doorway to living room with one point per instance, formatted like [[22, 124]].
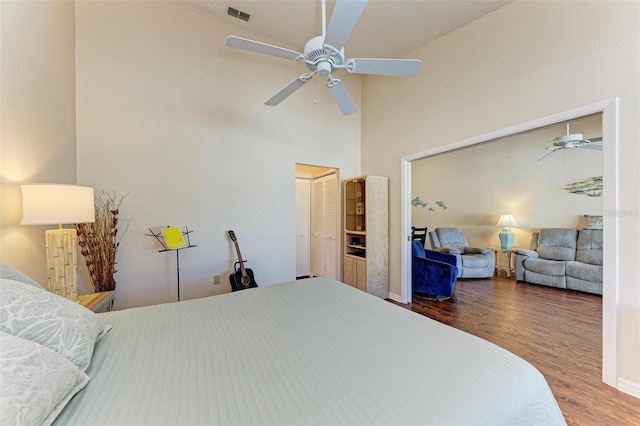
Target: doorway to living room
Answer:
[[609, 111]]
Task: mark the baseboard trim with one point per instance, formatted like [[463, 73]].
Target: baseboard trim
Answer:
[[395, 297], [629, 387]]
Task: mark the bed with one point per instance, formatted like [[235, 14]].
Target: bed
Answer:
[[312, 351]]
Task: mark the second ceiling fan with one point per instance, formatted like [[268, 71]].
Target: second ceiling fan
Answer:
[[324, 55], [571, 140]]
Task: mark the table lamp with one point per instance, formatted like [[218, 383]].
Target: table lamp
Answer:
[[506, 236], [50, 204]]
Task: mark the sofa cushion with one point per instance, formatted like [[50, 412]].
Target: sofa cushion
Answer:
[[584, 285], [558, 281], [584, 271], [557, 244], [544, 266], [589, 246], [475, 261]]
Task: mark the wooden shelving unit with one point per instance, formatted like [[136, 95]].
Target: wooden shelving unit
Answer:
[[366, 234]]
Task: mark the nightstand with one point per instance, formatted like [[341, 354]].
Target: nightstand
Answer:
[[509, 267], [98, 302]]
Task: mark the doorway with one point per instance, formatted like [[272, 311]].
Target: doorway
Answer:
[[609, 110], [317, 221]]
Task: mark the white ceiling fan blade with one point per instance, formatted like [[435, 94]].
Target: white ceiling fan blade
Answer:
[[258, 47], [549, 154], [341, 96], [391, 67], [288, 90], [344, 18], [594, 140], [590, 146]]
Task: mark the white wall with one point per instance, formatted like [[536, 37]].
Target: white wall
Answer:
[[481, 182], [38, 123], [520, 63], [173, 118]]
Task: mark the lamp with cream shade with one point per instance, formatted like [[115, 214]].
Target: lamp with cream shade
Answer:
[[58, 204], [506, 236]]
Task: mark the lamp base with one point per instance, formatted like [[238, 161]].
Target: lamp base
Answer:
[[506, 239], [62, 262]]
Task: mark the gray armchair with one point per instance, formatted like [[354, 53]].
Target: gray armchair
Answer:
[[472, 262]]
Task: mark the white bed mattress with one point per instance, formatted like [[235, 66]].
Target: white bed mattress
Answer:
[[307, 352]]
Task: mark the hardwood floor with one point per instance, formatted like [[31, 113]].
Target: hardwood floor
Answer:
[[558, 331]]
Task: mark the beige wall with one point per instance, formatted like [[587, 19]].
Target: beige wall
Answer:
[[38, 123], [170, 116], [481, 182], [522, 62]]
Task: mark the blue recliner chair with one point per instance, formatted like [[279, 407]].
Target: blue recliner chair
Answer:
[[433, 273]]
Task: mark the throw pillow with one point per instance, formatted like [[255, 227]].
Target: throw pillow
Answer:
[[8, 272], [593, 221], [51, 320], [35, 382]]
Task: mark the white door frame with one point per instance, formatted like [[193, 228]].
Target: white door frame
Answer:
[[609, 110]]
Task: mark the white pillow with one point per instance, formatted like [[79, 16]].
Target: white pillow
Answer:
[[10, 273], [35, 382], [63, 326]]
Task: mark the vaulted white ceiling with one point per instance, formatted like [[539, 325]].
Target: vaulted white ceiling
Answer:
[[386, 29]]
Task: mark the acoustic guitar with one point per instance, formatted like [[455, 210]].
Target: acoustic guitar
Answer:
[[242, 277]]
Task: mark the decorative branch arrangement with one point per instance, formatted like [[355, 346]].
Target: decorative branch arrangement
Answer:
[[99, 241]]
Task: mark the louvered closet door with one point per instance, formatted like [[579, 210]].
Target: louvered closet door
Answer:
[[331, 207], [325, 226], [303, 227]]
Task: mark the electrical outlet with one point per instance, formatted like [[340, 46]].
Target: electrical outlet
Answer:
[[216, 279]]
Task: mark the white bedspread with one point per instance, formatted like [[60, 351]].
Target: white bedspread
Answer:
[[307, 352]]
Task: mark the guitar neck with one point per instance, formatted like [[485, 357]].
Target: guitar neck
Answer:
[[240, 261]]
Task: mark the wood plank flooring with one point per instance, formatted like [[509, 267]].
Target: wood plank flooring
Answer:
[[558, 331]]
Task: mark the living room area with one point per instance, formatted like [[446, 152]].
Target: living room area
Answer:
[[539, 184]]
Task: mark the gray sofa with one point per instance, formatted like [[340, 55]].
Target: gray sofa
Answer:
[[472, 262], [563, 258]]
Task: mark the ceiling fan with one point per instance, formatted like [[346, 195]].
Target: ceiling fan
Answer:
[[324, 55], [571, 140]]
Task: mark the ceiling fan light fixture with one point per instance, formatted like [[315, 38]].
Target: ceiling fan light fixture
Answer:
[[574, 137], [324, 68]]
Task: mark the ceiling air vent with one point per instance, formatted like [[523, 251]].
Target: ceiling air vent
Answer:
[[244, 16]]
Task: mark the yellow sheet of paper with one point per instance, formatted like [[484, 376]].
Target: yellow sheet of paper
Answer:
[[174, 238]]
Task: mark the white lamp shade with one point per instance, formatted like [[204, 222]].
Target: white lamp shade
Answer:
[[49, 204], [507, 221]]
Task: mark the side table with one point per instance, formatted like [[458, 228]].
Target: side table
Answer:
[[98, 302], [509, 267]]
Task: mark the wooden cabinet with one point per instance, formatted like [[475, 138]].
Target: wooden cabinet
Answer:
[[366, 234], [355, 272]]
